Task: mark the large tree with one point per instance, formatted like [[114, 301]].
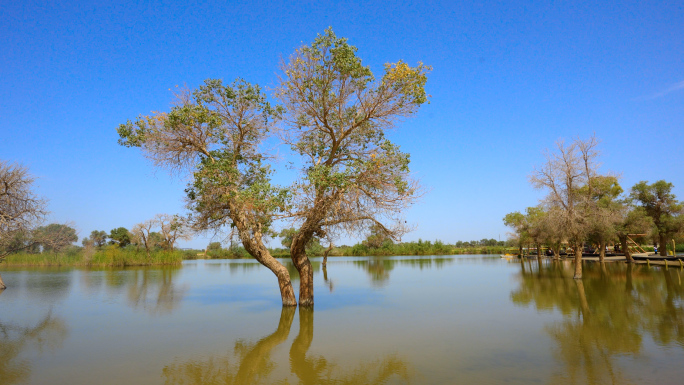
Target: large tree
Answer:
[[662, 206], [337, 113], [216, 134], [606, 210], [567, 174]]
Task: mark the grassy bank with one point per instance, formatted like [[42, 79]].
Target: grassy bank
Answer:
[[105, 257]]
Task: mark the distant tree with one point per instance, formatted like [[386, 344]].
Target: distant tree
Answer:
[[96, 238], [140, 234], [55, 237], [662, 206], [377, 237], [564, 174], [518, 223], [173, 228], [313, 248], [120, 236], [214, 246]]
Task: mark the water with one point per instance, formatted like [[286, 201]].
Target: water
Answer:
[[418, 320]]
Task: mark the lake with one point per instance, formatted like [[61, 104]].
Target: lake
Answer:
[[377, 320]]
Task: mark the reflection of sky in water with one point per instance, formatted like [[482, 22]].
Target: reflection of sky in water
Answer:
[[435, 319]]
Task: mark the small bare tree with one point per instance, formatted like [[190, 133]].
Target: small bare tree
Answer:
[[173, 228], [141, 234], [21, 210], [564, 175]]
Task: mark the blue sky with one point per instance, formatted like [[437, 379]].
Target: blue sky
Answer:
[[509, 79]]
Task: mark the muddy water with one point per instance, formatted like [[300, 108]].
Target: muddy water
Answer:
[[419, 320]]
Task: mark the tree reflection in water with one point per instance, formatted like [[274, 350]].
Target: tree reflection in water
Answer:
[[15, 341], [154, 290], [606, 314], [252, 363]]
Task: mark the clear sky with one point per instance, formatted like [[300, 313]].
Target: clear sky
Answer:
[[509, 79]]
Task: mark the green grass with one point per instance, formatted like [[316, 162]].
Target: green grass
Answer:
[[110, 256]]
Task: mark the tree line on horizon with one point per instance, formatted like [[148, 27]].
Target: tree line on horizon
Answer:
[[583, 206]]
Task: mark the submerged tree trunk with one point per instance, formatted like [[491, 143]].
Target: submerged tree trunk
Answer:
[[261, 254], [325, 254], [303, 266], [2, 284], [578, 261]]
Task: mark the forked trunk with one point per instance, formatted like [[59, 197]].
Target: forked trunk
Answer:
[[578, 262], [662, 245], [303, 266]]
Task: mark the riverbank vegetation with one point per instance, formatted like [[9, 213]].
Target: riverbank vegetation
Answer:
[[108, 256], [584, 209]]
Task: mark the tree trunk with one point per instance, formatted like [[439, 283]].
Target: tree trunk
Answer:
[[663, 245], [625, 249], [303, 265], [2, 284], [257, 249], [602, 251], [325, 255], [578, 261], [538, 250]]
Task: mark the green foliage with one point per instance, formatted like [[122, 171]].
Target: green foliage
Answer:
[[107, 256], [660, 204], [96, 238], [120, 236], [55, 237]]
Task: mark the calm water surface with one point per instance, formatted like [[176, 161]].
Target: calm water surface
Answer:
[[418, 320]]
